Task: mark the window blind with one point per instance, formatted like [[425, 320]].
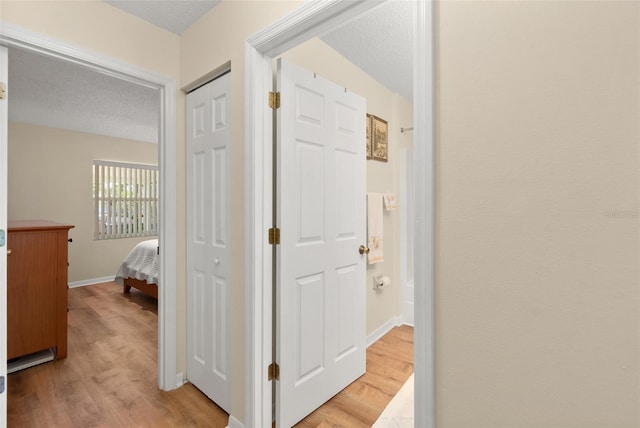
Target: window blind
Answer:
[[125, 199]]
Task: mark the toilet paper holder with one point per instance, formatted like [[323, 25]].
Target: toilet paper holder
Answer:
[[380, 281]]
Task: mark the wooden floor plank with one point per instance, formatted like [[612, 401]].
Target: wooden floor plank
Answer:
[[389, 365]]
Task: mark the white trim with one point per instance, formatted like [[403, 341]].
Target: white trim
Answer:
[[168, 241], [234, 423], [382, 330], [207, 77], [91, 281], [258, 256], [310, 20], [180, 379], [424, 190], [313, 19], [14, 36]]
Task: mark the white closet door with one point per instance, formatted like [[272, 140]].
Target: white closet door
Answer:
[[208, 239]]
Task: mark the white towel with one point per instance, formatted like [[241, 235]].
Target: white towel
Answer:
[[374, 227], [389, 201]]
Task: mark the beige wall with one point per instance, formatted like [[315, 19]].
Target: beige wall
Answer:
[[537, 138], [382, 177], [50, 176]]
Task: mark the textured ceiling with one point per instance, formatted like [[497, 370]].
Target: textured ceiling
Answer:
[[380, 42], [173, 15], [50, 92]]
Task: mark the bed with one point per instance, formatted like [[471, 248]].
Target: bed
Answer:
[[140, 269]]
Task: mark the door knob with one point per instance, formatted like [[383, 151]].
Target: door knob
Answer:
[[363, 249], [8, 252], [216, 261]]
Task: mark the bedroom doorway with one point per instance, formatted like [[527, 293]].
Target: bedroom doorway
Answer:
[[26, 40]]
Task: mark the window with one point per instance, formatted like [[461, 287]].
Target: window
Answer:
[[125, 198]]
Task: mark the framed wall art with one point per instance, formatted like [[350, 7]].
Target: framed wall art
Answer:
[[379, 139]]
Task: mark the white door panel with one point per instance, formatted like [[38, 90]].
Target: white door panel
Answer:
[[321, 213], [208, 249], [4, 74]]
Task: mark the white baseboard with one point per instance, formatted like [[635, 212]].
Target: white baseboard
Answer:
[[234, 423], [382, 330], [180, 381], [91, 281]]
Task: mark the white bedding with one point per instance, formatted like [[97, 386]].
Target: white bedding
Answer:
[[141, 263]]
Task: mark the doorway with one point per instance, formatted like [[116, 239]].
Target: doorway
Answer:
[[307, 22], [17, 37]]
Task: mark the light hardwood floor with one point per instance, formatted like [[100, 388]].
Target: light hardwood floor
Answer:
[[389, 365], [109, 377]]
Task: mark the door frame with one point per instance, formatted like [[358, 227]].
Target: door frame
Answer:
[[18, 37], [4, 109], [406, 310], [310, 20]]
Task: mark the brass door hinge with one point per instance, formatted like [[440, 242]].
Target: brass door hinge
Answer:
[[274, 236], [3, 91], [274, 100], [273, 372]]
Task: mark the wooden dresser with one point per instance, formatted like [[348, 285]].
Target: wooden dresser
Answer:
[[37, 287]]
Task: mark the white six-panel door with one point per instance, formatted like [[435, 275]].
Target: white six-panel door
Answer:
[[321, 195], [208, 239]]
